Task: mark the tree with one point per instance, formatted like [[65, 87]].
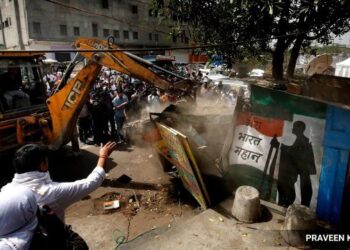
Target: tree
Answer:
[[317, 20], [211, 22], [285, 23]]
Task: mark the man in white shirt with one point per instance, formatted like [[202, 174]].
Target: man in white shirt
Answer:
[[17, 218], [31, 167]]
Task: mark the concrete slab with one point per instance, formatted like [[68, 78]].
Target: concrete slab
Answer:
[[213, 230]]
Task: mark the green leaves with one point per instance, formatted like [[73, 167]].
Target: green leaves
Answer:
[[255, 21]]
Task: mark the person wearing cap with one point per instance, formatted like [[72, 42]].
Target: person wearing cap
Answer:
[[119, 104], [31, 166]]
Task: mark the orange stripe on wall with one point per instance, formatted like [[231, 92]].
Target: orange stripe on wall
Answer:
[[266, 126]]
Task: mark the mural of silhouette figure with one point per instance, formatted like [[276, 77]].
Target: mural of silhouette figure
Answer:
[[297, 159]]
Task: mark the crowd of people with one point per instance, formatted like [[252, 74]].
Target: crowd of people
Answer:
[[116, 98]]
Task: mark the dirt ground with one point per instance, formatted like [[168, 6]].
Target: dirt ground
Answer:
[[157, 202]]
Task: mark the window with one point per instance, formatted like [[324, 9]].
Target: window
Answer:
[[76, 31], [126, 34], [156, 37], [6, 23], [63, 30], [135, 35], [27, 71], [150, 36], [105, 4], [116, 34], [62, 56], [36, 29], [94, 30], [106, 32], [134, 9]]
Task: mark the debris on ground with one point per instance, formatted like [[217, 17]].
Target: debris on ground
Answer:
[[107, 203], [131, 202]]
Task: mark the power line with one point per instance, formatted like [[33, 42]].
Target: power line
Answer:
[[204, 46]]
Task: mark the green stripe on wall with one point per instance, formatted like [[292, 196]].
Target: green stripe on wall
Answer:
[[280, 105]]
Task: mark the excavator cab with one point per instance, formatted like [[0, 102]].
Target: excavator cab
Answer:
[[21, 85], [22, 94]]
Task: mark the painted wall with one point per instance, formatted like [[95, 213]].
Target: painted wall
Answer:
[[293, 150]]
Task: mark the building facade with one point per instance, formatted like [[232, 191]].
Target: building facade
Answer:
[[55, 24]]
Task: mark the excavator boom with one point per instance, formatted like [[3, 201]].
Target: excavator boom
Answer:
[[128, 64]]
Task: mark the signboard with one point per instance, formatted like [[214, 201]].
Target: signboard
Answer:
[[175, 148]]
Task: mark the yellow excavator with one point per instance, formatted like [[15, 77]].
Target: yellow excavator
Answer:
[[27, 118]]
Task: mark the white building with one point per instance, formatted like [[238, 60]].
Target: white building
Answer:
[[55, 24]]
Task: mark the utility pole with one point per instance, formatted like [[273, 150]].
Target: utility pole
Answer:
[[19, 26], [2, 29]]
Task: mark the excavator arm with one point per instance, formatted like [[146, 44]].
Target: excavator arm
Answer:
[[129, 64], [66, 104]]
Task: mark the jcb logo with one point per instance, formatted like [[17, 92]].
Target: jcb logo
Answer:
[[73, 95]]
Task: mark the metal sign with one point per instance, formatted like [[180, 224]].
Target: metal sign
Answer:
[[174, 147]]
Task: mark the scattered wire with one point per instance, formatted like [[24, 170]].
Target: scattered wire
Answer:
[[122, 239]]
